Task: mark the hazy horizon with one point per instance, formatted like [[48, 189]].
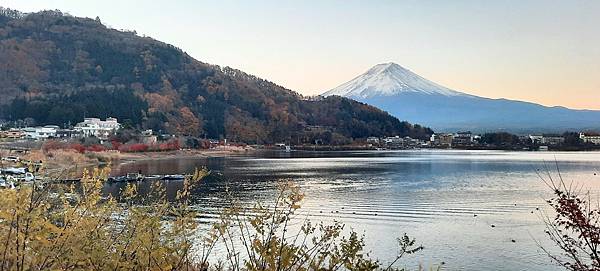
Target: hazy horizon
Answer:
[[546, 52]]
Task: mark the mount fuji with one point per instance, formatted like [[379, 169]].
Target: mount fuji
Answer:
[[411, 97]]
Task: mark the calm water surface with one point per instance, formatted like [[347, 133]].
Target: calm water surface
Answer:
[[431, 195]]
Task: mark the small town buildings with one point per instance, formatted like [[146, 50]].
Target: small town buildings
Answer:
[[393, 141], [413, 142], [148, 137], [463, 138], [99, 128], [40, 133], [552, 140], [12, 134], [444, 140], [536, 139], [373, 140], [592, 138], [66, 133]]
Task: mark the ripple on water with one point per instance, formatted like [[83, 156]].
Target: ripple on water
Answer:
[[448, 200]]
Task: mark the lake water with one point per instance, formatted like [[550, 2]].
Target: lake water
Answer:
[[447, 200]]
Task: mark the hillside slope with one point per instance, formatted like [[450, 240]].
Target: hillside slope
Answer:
[[57, 68]]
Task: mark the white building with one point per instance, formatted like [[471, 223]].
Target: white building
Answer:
[[98, 128], [393, 140], [536, 139], [589, 138], [463, 138], [373, 140], [40, 133], [552, 140], [148, 137]]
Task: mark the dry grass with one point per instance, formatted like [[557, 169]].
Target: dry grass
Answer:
[[68, 163], [35, 156], [105, 156], [3, 153]]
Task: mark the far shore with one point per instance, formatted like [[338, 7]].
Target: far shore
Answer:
[[122, 158], [69, 163]]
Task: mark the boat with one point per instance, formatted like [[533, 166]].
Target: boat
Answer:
[[129, 177], [117, 179], [137, 177], [152, 177], [14, 170], [134, 177], [13, 159], [173, 177]]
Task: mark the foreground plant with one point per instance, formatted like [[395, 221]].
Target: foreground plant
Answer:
[[59, 227], [78, 227], [274, 238], [575, 227]]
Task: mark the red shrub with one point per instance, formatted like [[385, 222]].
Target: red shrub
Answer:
[[138, 147], [115, 144], [78, 147], [96, 148]]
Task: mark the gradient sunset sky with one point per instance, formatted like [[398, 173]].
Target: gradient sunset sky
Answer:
[[541, 51]]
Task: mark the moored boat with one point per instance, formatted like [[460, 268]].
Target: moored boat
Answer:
[[173, 177]]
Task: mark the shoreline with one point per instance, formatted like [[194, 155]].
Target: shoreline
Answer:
[[126, 158], [63, 164], [70, 162]]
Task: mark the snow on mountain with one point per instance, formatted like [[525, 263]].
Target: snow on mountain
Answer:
[[411, 97], [388, 79]]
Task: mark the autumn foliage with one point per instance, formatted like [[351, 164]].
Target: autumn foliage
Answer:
[[59, 68], [77, 227], [141, 147], [575, 226], [170, 145]]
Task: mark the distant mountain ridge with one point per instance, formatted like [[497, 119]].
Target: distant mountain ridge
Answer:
[[56, 69], [409, 96]]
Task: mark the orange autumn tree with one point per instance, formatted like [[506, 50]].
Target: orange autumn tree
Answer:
[[188, 123], [158, 102]]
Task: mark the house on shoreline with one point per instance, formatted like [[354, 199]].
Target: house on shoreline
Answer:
[[98, 128], [40, 133]]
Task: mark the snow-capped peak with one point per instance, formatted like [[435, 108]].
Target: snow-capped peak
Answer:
[[388, 79]]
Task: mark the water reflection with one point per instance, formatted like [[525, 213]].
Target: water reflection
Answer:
[[448, 200]]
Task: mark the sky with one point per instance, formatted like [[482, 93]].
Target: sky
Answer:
[[543, 51]]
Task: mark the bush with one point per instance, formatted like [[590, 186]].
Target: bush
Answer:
[[575, 226], [267, 243], [95, 148], [79, 229], [137, 147], [78, 147], [76, 227]]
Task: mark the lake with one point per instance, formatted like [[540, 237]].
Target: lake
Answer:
[[448, 200]]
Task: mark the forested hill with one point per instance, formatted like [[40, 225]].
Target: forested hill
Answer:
[[56, 69]]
